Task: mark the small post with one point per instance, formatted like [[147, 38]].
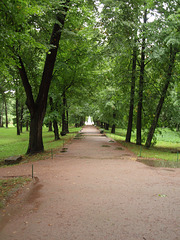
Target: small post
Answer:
[[32, 171], [51, 153]]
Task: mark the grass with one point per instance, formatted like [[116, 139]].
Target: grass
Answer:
[[12, 145], [166, 148], [9, 186]]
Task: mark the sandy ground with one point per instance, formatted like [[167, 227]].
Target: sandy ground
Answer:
[[94, 191]]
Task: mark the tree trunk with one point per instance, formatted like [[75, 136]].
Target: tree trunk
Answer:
[[64, 115], [21, 119], [113, 128], [131, 107], [56, 130], [67, 120], [141, 86], [38, 108], [27, 126], [17, 116], [35, 135], [162, 98], [106, 126], [1, 116], [6, 112], [50, 126]]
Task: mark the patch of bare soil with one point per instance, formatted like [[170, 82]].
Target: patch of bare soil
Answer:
[[92, 191]]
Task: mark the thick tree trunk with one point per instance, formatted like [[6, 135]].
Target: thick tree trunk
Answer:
[[38, 108], [141, 87], [17, 117], [162, 98], [56, 130], [35, 135], [131, 107]]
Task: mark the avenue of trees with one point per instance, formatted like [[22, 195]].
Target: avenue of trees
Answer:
[[117, 61]]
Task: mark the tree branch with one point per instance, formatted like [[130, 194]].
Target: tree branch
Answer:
[[27, 86]]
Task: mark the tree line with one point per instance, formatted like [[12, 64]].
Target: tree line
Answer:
[[114, 60]]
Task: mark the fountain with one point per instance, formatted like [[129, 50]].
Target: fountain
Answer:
[[89, 121]]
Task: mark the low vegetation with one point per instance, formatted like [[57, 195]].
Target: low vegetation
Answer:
[[11, 144], [167, 145], [8, 187]]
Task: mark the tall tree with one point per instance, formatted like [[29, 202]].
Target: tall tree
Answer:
[[37, 107], [141, 82], [163, 95], [131, 107]]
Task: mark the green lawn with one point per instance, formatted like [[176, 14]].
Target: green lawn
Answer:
[[166, 148], [11, 144]]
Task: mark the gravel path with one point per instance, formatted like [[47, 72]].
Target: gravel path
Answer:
[[94, 191]]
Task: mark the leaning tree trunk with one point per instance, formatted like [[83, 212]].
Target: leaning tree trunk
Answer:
[[37, 108], [141, 86], [131, 107], [161, 101]]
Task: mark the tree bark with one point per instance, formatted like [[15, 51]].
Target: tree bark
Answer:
[[56, 130], [38, 108], [141, 86], [1, 116], [106, 126], [131, 107], [162, 98], [21, 119], [64, 115], [35, 135], [17, 117], [50, 126], [67, 120], [55, 125], [27, 126], [113, 130]]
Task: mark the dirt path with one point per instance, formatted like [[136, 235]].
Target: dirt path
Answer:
[[94, 191]]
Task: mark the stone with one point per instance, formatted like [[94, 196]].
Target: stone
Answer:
[[13, 160]]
